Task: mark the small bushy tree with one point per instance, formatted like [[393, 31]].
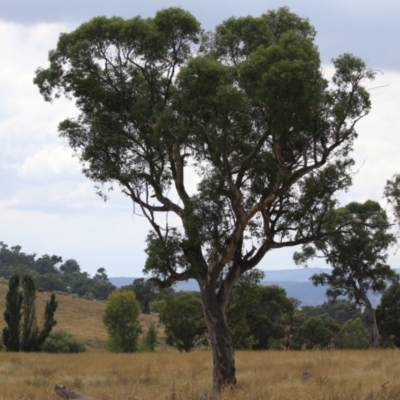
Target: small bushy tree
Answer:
[[291, 324], [255, 312], [150, 339], [145, 291], [152, 336], [388, 316], [312, 334], [353, 335], [185, 327], [121, 319]]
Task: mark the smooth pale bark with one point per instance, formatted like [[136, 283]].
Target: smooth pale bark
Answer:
[[224, 370], [375, 332]]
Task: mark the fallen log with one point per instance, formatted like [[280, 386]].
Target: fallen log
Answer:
[[68, 394]]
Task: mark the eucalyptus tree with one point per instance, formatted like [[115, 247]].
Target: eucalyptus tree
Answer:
[[236, 133], [358, 257]]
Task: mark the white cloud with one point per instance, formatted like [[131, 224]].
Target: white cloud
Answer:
[[24, 114], [49, 163], [377, 147]]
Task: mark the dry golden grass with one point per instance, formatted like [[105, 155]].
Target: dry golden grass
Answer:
[[335, 375], [169, 375], [81, 318]]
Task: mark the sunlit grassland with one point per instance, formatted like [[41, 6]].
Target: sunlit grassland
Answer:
[[169, 375], [335, 375], [81, 318]]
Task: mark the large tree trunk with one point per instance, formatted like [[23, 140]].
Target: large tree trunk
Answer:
[[374, 325], [224, 371]]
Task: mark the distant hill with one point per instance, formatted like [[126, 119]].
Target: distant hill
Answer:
[[292, 275], [296, 282]]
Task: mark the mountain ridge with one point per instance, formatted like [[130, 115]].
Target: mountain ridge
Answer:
[[295, 275], [296, 283]]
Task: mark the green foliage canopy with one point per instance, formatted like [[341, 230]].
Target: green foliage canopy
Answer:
[[255, 312], [388, 315], [249, 108], [145, 291], [185, 327], [353, 335], [358, 256], [313, 333], [13, 315], [21, 305], [121, 319], [339, 310], [150, 340], [61, 341]]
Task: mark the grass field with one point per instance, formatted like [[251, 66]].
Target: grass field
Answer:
[[335, 375], [169, 375]]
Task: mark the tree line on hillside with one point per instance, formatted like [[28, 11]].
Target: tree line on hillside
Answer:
[[51, 274]]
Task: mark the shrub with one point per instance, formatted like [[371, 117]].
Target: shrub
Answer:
[[185, 327], [63, 342], [121, 319], [313, 334], [353, 335], [149, 341], [388, 316], [3, 281]]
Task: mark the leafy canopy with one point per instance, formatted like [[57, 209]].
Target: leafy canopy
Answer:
[[182, 316], [236, 132], [255, 312], [358, 255], [388, 315], [121, 319]]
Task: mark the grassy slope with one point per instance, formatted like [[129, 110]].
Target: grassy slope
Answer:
[[81, 318]]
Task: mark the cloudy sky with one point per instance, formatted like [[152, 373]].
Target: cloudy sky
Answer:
[[47, 206]]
